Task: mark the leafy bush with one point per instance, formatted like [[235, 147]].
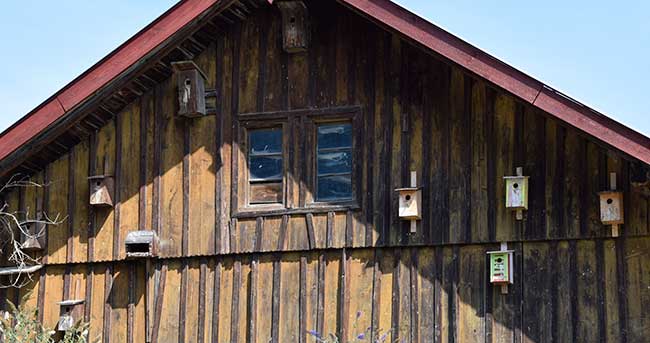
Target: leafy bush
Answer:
[[21, 325]]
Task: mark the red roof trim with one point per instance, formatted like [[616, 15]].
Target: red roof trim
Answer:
[[512, 80], [383, 11], [101, 74]]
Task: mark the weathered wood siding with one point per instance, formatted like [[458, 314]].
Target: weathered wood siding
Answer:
[[246, 277], [564, 291]]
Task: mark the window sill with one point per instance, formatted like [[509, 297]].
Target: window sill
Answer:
[[312, 208]]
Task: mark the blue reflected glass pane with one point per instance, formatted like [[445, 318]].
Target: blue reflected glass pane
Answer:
[[334, 187], [335, 162], [334, 136], [266, 167], [266, 141]]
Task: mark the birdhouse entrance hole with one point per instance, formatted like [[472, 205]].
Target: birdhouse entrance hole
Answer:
[[138, 248]]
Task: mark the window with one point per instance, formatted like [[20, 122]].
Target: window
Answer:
[[296, 161], [266, 166], [334, 162]]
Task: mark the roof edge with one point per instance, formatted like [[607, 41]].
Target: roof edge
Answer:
[[525, 87], [101, 73]]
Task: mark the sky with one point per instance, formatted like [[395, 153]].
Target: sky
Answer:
[[594, 51]]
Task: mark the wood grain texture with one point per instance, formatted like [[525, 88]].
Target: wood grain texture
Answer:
[[341, 268]]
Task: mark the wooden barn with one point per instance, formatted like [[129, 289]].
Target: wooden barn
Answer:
[[267, 171]]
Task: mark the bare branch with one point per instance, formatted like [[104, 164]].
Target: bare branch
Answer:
[[15, 231]]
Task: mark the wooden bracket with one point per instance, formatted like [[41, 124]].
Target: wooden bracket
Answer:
[[504, 247], [414, 183], [519, 215], [612, 186]]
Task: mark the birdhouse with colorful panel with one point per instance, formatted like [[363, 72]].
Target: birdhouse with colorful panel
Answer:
[[190, 81], [295, 26], [501, 266], [101, 190], [71, 312]]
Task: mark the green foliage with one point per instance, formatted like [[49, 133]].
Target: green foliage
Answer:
[[21, 325], [77, 334]]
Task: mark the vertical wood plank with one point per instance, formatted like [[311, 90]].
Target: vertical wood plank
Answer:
[[504, 132], [638, 288], [537, 315], [79, 206], [104, 217], [171, 183], [129, 183], [202, 169], [57, 208], [460, 159], [479, 176], [289, 299], [471, 326]]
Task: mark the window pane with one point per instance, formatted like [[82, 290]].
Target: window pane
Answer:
[[334, 136], [266, 193], [266, 141], [265, 167], [335, 162], [334, 187]]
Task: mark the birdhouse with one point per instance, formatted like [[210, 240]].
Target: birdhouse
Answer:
[[501, 266], [190, 81], [101, 190], [295, 26], [516, 192], [141, 244], [71, 311], [611, 208], [33, 239], [410, 203]]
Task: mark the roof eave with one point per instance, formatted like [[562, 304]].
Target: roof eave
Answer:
[[525, 87]]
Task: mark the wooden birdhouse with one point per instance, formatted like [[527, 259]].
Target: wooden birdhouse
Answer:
[[101, 190], [410, 202], [611, 206], [501, 266], [517, 192], [34, 240], [71, 312], [295, 26], [190, 81], [141, 244]]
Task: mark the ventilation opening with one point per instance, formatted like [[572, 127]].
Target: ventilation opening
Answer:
[[137, 249]]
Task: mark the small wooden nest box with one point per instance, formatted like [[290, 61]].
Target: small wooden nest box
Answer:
[[101, 190], [141, 244], [190, 81], [35, 239], [611, 208], [501, 266], [71, 312], [516, 192], [410, 203], [295, 26]]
